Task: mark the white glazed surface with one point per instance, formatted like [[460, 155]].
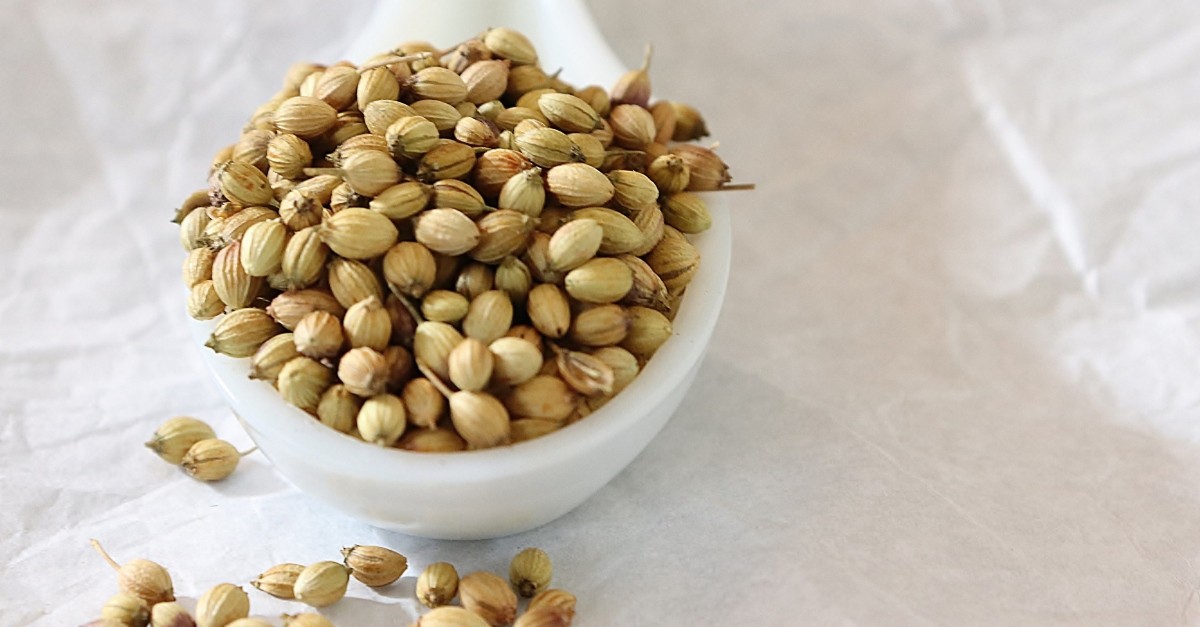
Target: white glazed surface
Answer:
[[495, 492]]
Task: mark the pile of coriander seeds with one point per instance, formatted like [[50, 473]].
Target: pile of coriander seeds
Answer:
[[444, 250]]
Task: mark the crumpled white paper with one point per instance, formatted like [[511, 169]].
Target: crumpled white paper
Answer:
[[954, 383]]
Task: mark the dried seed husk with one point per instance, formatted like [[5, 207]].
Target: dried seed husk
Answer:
[[175, 436], [299, 210], [444, 116], [374, 565], [304, 116], [376, 84], [269, 359], [507, 43], [221, 605], [305, 620], [437, 83], [476, 132], [279, 580], [336, 86], [574, 243], [409, 137], [687, 212], [262, 245], [251, 148], [357, 143], [488, 317], [410, 269], [708, 171], [437, 585], [548, 147], [235, 288], [210, 460], [524, 429], [290, 307], [589, 147], [369, 172], [444, 306], [689, 125], [549, 310], [494, 167], [569, 113], [554, 598], [352, 281], [125, 609], [648, 289], [674, 259], [544, 397], [141, 578], [474, 279], [400, 366], [502, 233], [488, 596], [364, 371], [633, 87], [319, 335], [357, 233], [197, 200], [448, 160], [537, 258], [432, 345], [304, 258], [203, 301], [512, 117], [479, 418], [288, 155], [664, 121], [241, 332], [302, 381], [650, 222], [450, 616], [455, 194], [425, 403], [530, 571], [470, 365], [192, 228], [486, 80], [620, 234], [338, 409], [465, 55], [586, 374], [648, 329], [603, 325], [670, 173], [197, 266], [322, 583], [525, 192], [513, 277], [243, 184], [447, 231], [432, 441], [170, 614], [601, 280], [382, 419], [633, 190], [523, 79], [368, 324], [380, 114], [632, 126], [579, 185], [515, 360]]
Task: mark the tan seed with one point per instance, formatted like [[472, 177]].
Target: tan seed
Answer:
[[444, 306], [364, 371], [290, 307], [447, 231], [368, 324], [221, 605], [455, 194], [410, 137], [278, 580], [488, 317], [432, 441], [530, 571], [586, 374], [338, 408], [648, 330], [488, 596], [304, 116], [261, 252], [507, 43], [501, 233], [574, 244], [543, 397], [424, 403], [302, 381], [633, 190], [370, 172], [382, 419], [438, 83], [579, 185], [376, 84], [601, 280], [241, 332], [479, 418], [437, 585], [174, 437], [470, 365], [374, 565], [486, 80], [357, 233], [410, 269], [319, 335], [708, 171], [443, 116], [234, 286], [203, 301], [448, 160], [632, 126], [210, 460], [603, 325], [525, 192], [432, 345], [322, 583], [513, 278], [378, 115]]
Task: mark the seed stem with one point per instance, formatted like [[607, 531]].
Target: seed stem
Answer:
[[108, 558], [736, 187], [646, 57], [386, 61], [433, 378], [320, 171], [248, 451]]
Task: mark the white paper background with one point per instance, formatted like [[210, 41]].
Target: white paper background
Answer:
[[955, 382]]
